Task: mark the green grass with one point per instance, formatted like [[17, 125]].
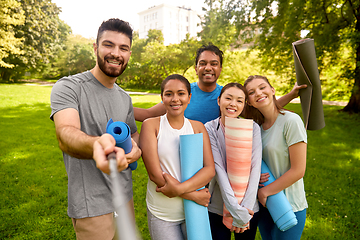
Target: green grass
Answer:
[[33, 195], [157, 91]]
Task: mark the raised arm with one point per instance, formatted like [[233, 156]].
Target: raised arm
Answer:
[[71, 139], [155, 111], [294, 93]]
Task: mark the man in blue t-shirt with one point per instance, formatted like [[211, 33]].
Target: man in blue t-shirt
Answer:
[[203, 105]]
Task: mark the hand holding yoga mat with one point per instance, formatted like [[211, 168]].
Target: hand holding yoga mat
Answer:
[[196, 216], [238, 141], [121, 132], [307, 72], [278, 205]]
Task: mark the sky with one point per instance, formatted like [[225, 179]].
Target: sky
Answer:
[[84, 17]]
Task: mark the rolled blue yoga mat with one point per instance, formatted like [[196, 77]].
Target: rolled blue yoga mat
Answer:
[[196, 216], [122, 134], [278, 205]]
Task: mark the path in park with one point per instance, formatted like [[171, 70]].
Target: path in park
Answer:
[[296, 100]]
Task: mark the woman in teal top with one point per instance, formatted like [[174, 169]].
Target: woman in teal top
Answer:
[[284, 144]]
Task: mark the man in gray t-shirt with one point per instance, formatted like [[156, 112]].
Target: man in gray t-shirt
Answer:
[[81, 106]]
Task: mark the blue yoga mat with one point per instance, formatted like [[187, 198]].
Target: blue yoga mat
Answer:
[[196, 216], [122, 134], [278, 205]]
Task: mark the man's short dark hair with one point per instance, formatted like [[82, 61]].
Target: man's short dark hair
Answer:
[[116, 25], [212, 48]]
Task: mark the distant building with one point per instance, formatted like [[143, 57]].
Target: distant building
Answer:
[[174, 22]]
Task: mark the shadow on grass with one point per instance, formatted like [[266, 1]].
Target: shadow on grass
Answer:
[[332, 177], [34, 180]]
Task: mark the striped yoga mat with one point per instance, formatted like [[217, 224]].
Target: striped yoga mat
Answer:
[[238, 141]]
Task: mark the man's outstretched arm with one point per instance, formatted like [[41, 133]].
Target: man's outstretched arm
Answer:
[[141, 114]]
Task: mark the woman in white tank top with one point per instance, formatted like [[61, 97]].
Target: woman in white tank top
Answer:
[[159, 141]]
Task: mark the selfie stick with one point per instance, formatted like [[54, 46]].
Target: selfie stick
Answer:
[[126, 229]]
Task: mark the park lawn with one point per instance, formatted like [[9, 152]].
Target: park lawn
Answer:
[[33, 196]]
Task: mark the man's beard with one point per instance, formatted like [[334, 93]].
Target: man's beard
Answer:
[[110, 72]]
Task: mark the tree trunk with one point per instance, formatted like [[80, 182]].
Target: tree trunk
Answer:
[[353, 105], [5, 75]]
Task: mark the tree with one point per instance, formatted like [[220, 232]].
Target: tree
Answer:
[[217, 26], [41, 31], [10, 16], [273, 25], [145, 67], [155, 35], [151, 62], [186, 53], [74, 56]]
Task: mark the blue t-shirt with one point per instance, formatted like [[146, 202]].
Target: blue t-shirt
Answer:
[[203, 106]]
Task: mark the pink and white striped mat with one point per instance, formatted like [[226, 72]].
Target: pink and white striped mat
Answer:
[[238, 141]]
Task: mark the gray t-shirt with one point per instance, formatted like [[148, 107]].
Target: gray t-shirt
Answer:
[[89, 189]]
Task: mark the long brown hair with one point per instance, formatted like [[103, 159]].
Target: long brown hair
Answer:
[[254, 113]]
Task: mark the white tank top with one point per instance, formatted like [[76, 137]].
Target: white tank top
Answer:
[[168, 209]]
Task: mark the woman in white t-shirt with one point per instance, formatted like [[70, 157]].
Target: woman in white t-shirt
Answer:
[[284, 142], [159, 141]]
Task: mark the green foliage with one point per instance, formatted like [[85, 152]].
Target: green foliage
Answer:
[[184, 54], [217, 26], [238, 65], [74, 56], [151, 61], [10, 16], [48, 55], [274, 25], [155, 35], [335, 77], [41, 31]]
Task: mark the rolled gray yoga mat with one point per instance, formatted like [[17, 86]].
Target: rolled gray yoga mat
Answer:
[[307, 72]]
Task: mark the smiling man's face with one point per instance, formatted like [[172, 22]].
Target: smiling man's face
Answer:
[[113, 53], [208, 68]]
